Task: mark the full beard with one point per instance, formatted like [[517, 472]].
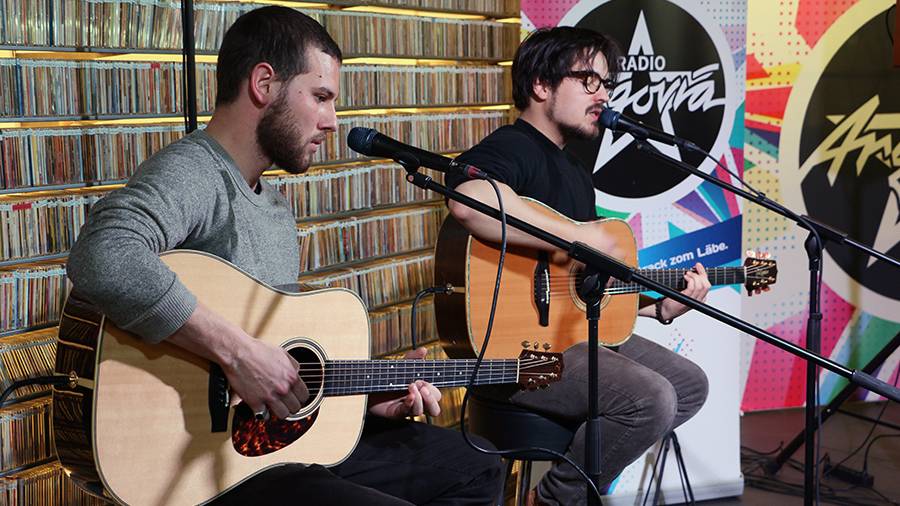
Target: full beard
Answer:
[[277, 135]]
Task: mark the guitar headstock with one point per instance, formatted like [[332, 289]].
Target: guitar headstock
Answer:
[[537, 369], [760, 271]]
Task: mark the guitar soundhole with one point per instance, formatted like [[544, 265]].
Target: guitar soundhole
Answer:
[[311, 369], [253, 438]]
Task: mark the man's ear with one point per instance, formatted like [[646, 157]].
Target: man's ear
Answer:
[[540, 90], [261, 85]]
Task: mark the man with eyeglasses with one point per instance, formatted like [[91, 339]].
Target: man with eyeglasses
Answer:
[[562, 78]]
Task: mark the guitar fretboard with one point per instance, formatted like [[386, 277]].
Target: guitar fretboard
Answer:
[[350, 377], [674, 278]]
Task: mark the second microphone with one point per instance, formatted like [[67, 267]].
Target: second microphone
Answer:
[[369, 142]]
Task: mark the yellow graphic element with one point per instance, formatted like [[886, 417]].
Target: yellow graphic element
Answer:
[[762, 118], [857, 132]]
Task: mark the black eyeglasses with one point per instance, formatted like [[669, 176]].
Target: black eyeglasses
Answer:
[[592, 81]]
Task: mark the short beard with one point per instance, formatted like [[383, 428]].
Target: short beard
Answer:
[[569, 132], [279, 138]]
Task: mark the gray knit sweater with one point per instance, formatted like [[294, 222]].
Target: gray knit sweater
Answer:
[[189, 195]]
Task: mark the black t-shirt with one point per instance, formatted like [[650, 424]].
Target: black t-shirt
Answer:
[[533, 166]]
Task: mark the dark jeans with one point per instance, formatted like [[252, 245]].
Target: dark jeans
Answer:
[[646, 390], [396, 462]]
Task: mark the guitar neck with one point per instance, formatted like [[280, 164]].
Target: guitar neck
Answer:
[[674, 278], [351, 377]]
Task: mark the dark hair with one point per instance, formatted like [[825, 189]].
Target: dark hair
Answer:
[[279, 36], [548, 54]]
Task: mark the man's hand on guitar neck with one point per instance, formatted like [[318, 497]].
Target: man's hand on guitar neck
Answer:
[[421, 397], [262, 375], [698, 286]]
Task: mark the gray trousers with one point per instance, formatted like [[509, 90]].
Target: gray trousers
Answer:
[[646, 390]]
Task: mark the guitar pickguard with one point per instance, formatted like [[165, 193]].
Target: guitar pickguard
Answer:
[[252, 437]]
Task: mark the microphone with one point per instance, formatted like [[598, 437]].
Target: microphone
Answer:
[[369, 142], [618, 122]]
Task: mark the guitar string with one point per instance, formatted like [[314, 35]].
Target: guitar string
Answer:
[[407, 377], [361, 373], [622, 288], [314, 367], [721, 271], [403, 382]]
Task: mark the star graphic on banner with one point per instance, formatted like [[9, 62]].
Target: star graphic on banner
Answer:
[[610, 147]]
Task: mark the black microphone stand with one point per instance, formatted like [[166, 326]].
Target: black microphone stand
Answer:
[[814, 245], [598, 262], [591, 292]]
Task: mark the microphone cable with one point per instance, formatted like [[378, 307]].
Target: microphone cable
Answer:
[[480, 358]]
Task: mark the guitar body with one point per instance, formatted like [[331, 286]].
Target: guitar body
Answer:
[[470, 265], [135, 424]]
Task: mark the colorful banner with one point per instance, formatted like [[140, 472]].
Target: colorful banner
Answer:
[[683, 73], [822, 109]]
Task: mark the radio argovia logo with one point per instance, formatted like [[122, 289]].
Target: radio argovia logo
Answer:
[[840, 154], [677, 75]]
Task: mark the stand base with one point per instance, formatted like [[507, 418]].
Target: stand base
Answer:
[[673, 495]]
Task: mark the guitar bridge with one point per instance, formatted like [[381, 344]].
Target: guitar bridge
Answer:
[[542, 289]]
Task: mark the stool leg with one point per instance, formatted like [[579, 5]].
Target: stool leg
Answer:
[[524, 482], [660, 459], [501, 499], [682, 471]]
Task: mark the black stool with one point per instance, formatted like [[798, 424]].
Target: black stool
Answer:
[[508, 426]]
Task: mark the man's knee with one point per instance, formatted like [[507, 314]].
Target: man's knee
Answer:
[[659, 406]]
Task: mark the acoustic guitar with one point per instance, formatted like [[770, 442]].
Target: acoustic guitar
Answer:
[[539, 305], [150, 424]]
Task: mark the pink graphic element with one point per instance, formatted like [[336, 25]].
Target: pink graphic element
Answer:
[[837, 313], [815, 17], [769, 102], [636, 226], [543, 13], [755, 70], [777, 379], [730, 198], [892, 377], [769, 380], [738, 154]]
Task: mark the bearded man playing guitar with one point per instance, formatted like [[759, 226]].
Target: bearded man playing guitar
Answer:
[[562, 78], [278, 78]]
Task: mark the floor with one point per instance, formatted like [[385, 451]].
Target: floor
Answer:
[[842, 437]]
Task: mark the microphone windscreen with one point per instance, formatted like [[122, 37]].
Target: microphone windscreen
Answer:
[[609, 118], [360, 140]]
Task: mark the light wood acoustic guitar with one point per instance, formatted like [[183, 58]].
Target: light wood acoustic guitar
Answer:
[[538, 304], [150, 424]]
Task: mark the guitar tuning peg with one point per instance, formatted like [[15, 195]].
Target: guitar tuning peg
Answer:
[[766, 255], [546, 346], [750, 253], [536, 345], [525, 344]]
